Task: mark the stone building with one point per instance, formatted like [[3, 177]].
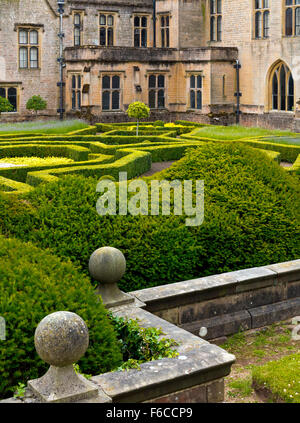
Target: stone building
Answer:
[[182, 66]]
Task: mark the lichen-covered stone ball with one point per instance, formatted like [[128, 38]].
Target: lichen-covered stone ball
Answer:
[[61, 338], [107, 265]]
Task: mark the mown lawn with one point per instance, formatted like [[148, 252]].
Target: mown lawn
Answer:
[[238, 132], [45, 127]]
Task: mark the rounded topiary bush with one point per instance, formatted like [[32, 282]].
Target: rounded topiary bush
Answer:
[[34, 283], [251, 219]]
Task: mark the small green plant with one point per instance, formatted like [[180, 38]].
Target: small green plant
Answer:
[[138, 110], [20, 390], [158, 123], [36, 103], [78, 371], [5, 105], [140, 345]]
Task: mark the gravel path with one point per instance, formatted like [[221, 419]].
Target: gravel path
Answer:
[[158, 167]]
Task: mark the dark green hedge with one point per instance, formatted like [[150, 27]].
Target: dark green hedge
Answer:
[[252, 219], [34, 283]]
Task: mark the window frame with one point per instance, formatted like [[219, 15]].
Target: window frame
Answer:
[[157, 89], [7, 87], [107, 27], [276, 69], [76, 90], [79, 26], [141, 28], [215, 20], [196, 89], [262, 9], [294, 7], [28, 47], [111, 90], [165, 30]]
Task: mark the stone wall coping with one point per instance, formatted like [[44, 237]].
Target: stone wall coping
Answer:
[[198, 362], [234, 282]]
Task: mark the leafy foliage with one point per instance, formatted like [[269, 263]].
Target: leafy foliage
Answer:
[[5, 105], [36, 103], [139, 345], [138, 110], [251, 219], [34, 283]]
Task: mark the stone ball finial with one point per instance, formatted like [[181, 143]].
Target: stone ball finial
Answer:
[[61, 338], [107, 265]]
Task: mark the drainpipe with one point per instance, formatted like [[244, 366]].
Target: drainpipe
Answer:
[[60, 60], [237, 94], [154, 23]]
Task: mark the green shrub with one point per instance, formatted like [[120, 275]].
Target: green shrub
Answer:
[[34, 283], [158, 123], [251, 219], [36, 103]]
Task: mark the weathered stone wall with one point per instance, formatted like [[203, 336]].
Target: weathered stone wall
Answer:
[[228, 302], [41, 81]]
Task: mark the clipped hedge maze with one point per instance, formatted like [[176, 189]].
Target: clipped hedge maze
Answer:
[[107, 150]]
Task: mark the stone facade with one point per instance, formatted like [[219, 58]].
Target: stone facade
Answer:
[[110, 59]]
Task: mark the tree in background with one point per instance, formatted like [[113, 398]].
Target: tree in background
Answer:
[[138, 110], [36, 103], [5, 105]]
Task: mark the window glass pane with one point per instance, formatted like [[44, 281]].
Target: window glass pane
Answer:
[[289, 22], [144, 22], [110, 36], [163, 38], [266, 4], [199, 100], [106, 82], [297, 21], [144, 38], [258, 26], [162, 21], [115, 82], [23, 57], [77, 19], [275, 91], [199, 81], [136, 38], [152, 81], [192, 99], [290, 93], [105, 100], [78, 81], [76, 36], [12, 97], [102, 20], [167, 37], [73, 81], [266, 24], [168, 20], [161, 99], [115, 100], [34, 37], [23, 37], [78, 99], [110, 20], [219, 6], [136, 21], [219, 28], [192, 81], [282, 88], [102, 36], [297, 1], [212, 29], [288, 2], [161, 81], [73, 99], [212, 6], [2, 92], [152, 99], [33, 57]]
